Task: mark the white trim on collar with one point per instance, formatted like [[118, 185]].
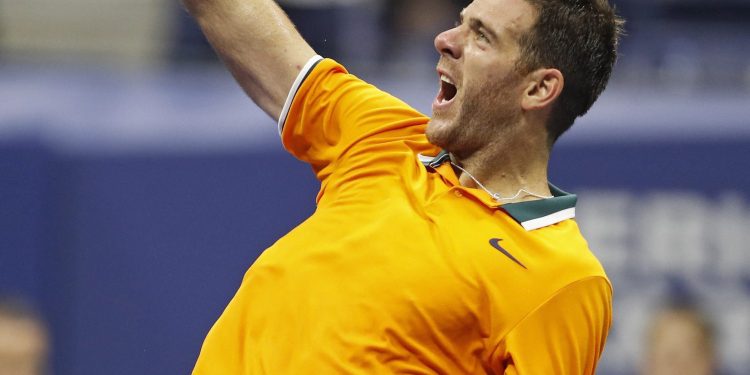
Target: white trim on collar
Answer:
[[550, 219], [295, 87]]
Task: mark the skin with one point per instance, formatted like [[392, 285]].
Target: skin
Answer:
[[259, 45], [495, 126], [23, 346], [678, 346]]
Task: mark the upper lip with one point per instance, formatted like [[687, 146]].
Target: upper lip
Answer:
[[441, 72]]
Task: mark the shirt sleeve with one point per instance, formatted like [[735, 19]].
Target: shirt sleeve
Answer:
[[333, 115], [566, 335]]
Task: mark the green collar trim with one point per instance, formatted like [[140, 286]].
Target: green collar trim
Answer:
[[532, 214], [544, 212], [434, 161]]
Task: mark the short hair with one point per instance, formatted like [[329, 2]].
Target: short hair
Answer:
[[579, 38], [15, 308]]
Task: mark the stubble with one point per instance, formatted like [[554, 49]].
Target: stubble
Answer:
[[486, 115]]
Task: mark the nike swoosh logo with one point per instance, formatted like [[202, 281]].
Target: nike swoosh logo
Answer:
[[495, 242]]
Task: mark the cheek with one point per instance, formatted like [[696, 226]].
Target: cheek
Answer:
[[489, 66], [488, 83], [499, 90], [488, 61], [483, 93]]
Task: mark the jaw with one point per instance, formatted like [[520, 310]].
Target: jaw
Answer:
[[451, 133], [471, 127], [440, 130]]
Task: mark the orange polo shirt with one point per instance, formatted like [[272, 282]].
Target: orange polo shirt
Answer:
[[402, 270]]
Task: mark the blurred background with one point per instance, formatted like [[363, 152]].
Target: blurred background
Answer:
[[138, 183]]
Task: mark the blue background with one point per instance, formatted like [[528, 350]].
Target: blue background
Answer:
[[137, 187], [133, 256]]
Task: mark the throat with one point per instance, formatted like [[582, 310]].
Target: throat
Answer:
[[520, 195], [502, 185]]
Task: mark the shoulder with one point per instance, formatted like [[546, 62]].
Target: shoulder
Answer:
[[555, 258]]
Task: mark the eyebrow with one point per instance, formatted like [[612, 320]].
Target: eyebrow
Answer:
[[477, 24]]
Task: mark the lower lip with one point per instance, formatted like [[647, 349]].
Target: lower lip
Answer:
[[438, 104]]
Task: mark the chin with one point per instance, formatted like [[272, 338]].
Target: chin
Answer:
[[437, 132], [444, 133]]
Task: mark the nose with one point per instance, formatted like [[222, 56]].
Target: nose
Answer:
[[447, 43]]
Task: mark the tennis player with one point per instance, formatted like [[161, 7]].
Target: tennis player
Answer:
[[438, 245]]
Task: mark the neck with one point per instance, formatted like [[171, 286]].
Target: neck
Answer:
[[508, 167]]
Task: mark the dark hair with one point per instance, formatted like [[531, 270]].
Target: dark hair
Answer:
[[578, 37], [17, 308], [685, 303]]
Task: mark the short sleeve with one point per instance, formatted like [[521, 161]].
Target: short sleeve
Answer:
[[566, 335], [332, 115]]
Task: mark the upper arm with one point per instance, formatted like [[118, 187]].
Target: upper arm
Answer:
[[258, 43], [566, 335]]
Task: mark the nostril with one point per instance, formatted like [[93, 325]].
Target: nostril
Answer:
[[449, 52], [442, 43]]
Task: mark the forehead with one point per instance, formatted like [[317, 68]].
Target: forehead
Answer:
[[511, 17]]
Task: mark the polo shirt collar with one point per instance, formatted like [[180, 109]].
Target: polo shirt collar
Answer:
[[543, 212], [530, 215]]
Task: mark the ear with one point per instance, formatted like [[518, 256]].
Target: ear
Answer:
[[544, 87]]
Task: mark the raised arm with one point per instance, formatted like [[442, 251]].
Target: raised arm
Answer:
[[258, 43]]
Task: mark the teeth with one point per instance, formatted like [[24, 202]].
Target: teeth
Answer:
[[446, 79]]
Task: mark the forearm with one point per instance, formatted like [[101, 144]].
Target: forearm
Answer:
[[257, 42]]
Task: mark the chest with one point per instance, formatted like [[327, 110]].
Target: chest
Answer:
[[400, 262]]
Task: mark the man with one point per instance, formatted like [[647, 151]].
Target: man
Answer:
[[437, 245], [24, 341], [681, 341]]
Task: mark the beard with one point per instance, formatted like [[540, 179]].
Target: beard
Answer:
[[482, 119]]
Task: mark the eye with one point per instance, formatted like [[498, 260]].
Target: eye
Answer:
[[482, 36]]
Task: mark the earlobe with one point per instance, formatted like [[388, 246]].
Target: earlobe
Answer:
[[544, 88]]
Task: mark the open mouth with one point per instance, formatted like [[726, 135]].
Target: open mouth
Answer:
[[448, 90]]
